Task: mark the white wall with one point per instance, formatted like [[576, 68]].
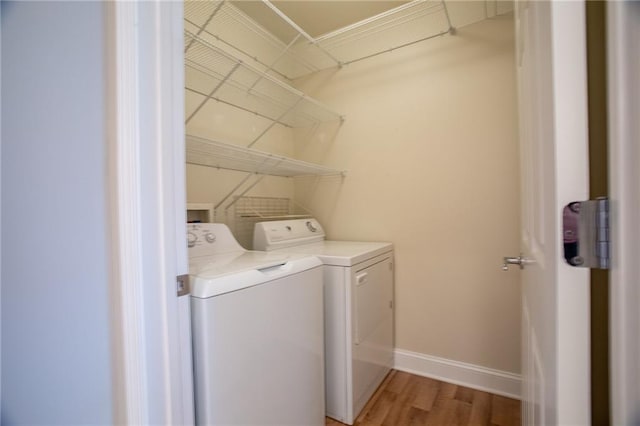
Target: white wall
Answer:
[[56, 366], [430, 145]]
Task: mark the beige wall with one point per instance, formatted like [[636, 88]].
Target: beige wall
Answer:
[[223, 123], [430, 143]]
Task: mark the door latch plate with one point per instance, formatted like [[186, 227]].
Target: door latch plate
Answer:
[[586, 233], [182, 285]]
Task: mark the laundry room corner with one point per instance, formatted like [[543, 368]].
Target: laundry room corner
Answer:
[[430, 143]]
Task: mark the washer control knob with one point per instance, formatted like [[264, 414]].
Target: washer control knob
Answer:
[[210, 237], [311, 227], [191, 239]]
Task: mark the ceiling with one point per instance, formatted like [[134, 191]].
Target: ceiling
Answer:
[[319, 17], [315, 17]]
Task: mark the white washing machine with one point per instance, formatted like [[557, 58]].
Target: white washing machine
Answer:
[[258, 335], [358, 293]]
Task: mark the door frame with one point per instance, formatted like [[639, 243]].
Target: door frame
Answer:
[[136, 331], [572, 141], [623, 29], [147, 208], [554, 165]]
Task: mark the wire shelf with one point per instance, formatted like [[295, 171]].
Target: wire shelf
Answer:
[[219, 76], [206, 152], [223, 25], [404, 25]]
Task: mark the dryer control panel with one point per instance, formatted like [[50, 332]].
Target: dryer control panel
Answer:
[[286, 233]]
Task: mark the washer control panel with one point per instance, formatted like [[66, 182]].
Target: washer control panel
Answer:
[[195, 235], [210, 238], [311, 226]]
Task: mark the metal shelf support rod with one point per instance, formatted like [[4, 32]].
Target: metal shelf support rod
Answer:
[[394, 11], [380, 27], [249, 188], [238, 107], [273, 123], [446, 13], [215, 89], [275, 61], [288, 21], [201, 28], [246, 178], [300, 30], [440, 34]]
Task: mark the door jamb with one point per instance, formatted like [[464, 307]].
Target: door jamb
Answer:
[[146, 190]]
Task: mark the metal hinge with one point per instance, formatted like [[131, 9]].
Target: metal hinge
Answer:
[[586, 233], [183, 286]]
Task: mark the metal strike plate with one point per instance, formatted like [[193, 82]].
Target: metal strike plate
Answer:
[[183, 286], [586, 233]]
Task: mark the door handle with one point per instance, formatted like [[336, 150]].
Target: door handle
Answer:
[[520, 261]]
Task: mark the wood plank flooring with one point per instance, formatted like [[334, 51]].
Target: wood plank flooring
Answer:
[[405, 399]]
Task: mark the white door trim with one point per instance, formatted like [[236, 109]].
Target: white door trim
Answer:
[[130, 368], [623, 32], [146, 137], [573, 380], [554, 152], [0, 214]]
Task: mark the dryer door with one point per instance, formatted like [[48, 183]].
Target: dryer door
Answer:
[[372, 289]]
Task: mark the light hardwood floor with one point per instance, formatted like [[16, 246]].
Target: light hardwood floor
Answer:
[[405, 399]]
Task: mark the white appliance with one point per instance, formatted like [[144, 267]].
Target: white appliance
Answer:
[[257, 333], [358, 293]]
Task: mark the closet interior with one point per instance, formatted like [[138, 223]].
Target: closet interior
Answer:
[[244, 112]]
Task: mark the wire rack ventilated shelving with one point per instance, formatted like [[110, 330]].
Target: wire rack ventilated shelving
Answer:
[[232, 59], [223, 24], [256, 164], [218, 69], [207, 152], [224, 78]]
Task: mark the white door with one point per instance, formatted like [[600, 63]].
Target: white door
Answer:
[[623, 28], [552, 92]]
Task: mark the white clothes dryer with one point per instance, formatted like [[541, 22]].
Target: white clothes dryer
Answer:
[[358, 294], [257, 323]]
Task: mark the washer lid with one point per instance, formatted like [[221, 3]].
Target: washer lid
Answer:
[[216, 275]]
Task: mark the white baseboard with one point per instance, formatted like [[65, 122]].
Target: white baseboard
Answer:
[[459, 373]]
